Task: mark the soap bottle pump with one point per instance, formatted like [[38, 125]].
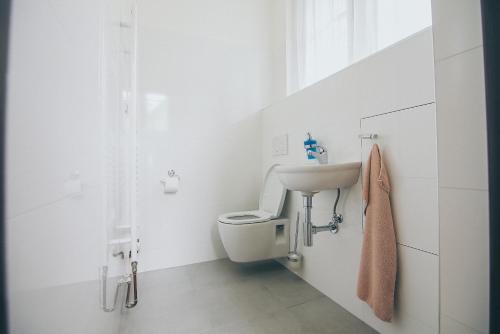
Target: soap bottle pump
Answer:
[[310, 145]]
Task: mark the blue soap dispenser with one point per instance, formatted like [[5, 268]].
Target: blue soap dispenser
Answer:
[[310, 145]]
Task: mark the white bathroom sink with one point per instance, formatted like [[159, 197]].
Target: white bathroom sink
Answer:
[[310, 179]]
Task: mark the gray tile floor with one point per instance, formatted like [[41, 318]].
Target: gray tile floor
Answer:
[[225, 297]]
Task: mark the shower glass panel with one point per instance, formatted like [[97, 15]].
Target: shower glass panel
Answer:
[[70, 163]]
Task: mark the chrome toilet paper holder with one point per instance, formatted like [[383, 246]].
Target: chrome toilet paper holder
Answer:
[[171, 174]]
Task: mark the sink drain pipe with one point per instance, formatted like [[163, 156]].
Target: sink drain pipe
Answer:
[[293, 256], [309, 228]]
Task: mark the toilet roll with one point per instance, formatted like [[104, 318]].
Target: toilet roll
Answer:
[[170, 185]]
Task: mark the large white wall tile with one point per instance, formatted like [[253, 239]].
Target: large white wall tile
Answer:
[[417, 295], [394, 78], [53, 123], [60, 243], [461, 121], [418, 289], [451, 326], [464, 256], [408, 142], [456, 25]]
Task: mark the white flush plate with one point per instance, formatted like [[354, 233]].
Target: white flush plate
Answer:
[[280, 145]]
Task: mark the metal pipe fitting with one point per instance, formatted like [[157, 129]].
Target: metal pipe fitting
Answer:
[[308, 240], [133, 303], [309, 229]]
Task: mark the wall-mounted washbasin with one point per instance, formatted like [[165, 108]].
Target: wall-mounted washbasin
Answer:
[[310, 179]]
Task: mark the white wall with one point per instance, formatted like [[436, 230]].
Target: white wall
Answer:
[[390, 93], [463, 172], [54, 129], [204, 71]]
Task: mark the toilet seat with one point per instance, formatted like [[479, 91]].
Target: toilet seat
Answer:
[[272, 198], [245, 217]]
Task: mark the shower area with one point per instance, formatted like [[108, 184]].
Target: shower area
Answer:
[[73, 242]]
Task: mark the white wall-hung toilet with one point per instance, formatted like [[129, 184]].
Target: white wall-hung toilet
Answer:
[[257, 235]]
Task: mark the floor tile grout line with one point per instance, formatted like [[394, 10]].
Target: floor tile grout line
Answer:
[[304, 302]]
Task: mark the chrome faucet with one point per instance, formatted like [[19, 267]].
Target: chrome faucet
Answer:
[[321, 154]]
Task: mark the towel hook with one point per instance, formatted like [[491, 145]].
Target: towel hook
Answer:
[[368, 136]]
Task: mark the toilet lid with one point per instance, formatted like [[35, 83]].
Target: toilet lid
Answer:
[[272, 196]]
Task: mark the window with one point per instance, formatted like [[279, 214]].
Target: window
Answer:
[[325, 36]]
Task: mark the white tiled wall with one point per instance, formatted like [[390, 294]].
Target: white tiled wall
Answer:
[[463, 176], [204, 73], [407, 140], [335, 110], [462, 121], [456, 25], [395, 87], [464, 256]]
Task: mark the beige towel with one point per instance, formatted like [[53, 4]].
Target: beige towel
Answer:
[[377, 272]]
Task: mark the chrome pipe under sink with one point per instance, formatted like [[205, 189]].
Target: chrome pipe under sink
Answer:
[[309, 228]]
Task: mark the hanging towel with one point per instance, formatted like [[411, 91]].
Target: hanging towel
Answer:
[[377, 272]]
